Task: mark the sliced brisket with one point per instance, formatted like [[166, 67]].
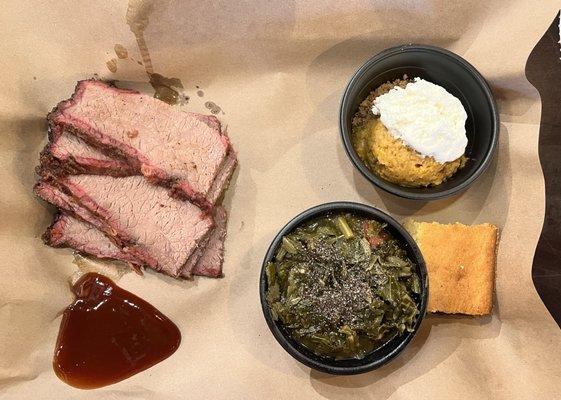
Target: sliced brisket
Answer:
[[64, 202], [134, 214], [67, 231], [212, 258], [222, 180], [166, 145], [67, 154]]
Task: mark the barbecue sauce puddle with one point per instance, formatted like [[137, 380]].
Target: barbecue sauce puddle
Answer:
[[108, 334]]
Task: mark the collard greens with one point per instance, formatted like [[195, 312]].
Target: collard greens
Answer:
[[342, 286]]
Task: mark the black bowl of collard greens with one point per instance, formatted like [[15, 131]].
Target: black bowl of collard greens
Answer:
[[343, 288]]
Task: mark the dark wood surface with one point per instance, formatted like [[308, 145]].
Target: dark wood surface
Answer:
[[543, 70]]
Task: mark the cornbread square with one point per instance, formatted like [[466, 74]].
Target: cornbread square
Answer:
[[461, 265]]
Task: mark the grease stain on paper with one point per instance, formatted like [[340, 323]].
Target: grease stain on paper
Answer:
[[112, 269], [169, 90], [120, 51], [213, 107], [138, 13], [112, 65], [138, 17], [164, 88]]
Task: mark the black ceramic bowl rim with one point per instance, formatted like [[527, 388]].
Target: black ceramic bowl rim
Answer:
[[323, 364], [402, 191]]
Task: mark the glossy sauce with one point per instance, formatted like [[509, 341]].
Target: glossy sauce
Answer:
[[108, 334]]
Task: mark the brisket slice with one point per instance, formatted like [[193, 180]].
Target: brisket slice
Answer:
[[67, 231], [66, 154], [134, 214], [64, 202], [212, 258], [222, 180], [166, 145]]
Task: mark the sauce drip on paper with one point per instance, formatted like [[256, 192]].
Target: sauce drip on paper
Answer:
[[108, 334]]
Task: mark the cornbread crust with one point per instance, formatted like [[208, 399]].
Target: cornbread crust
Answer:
[[461, 265]]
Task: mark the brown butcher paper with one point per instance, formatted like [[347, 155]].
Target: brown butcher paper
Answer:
[[274, 73]]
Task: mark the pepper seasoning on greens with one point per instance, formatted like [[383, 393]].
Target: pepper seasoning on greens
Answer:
[[342, 286]]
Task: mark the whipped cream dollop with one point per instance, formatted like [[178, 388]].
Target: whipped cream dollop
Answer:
[[426, 117]]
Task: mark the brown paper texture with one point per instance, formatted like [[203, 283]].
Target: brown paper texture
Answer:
[[277, 70]]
